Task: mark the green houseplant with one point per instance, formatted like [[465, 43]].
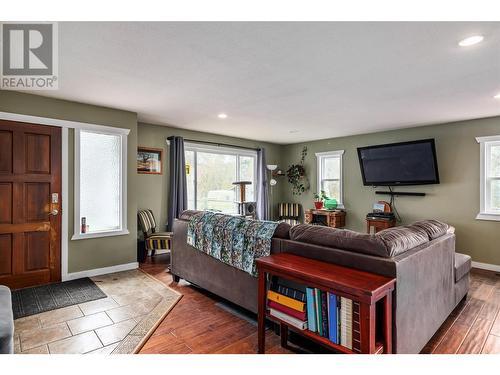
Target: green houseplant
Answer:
[[296, 175], [319, 198]]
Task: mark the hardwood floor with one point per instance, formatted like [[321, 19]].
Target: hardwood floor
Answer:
[[474, 326], [198, 324]]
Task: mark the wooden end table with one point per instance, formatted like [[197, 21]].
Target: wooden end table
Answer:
[[361, 287], [379, 224], [329, 218]]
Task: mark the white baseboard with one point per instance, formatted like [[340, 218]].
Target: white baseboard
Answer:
[[101, 271], [486, 266]]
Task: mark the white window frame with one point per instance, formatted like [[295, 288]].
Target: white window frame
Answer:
[[223, 150], [485, 212], [320, 159], [122, 133]]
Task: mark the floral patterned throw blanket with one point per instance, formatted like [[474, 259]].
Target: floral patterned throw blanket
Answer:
[[233, 240]]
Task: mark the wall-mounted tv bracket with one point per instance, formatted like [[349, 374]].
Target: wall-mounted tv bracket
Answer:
[[394, 193]]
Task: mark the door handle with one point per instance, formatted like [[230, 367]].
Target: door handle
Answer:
[[53, 213]]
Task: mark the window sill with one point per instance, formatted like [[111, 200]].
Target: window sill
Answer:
[[83, 236], [488, 216]]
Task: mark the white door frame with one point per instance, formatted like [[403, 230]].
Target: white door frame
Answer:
[[65, 125]]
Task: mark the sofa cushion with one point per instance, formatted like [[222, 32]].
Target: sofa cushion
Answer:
[[187, 214], [282, 231], [338, 238], [397, 240], [433, 228], [463, 265], [6, 321]]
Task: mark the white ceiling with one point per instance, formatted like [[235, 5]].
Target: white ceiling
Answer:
[[283, 82]]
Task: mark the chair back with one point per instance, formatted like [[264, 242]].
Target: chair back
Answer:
[[289, 210], [147, 221]]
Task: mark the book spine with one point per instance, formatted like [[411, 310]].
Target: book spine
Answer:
[[289, 292], [346, 322], [311, 309], [332, 317], [349, 324], [286, 310], [324, 313], [287, 301], [328, 311], [343, 321], [319, 322], [339, 330], [288, 319]]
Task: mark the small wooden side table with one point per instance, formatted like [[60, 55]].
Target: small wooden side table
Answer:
[[363, 288], [379, 224], [329, 218]]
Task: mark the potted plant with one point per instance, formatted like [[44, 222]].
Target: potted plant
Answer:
[[319, 198], [296, 175]]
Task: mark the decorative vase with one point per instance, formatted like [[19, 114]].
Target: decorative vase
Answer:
[[318, 205], [331, 204]]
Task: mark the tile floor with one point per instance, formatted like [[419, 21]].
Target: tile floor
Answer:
[[98, 326]]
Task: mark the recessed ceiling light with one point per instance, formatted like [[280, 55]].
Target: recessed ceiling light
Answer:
[[471, 40], [222, 115], [497, 96]]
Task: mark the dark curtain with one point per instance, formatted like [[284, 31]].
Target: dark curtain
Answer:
[[262, 193], [177, 196]]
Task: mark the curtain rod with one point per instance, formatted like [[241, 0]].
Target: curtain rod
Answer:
[[219, 144]]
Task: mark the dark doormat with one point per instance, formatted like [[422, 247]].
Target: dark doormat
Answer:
[[38, 299]]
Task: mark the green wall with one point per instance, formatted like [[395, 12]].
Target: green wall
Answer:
[[455, 200], [99, 252], [154, 188]]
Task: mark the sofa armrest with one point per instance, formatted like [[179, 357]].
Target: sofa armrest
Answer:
[[6, 322], [424, 292]]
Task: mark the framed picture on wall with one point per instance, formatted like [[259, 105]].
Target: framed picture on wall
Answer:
[[149, 160]]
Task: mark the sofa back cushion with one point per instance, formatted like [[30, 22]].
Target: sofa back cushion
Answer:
[[397, 240], [187, 214], [282, 231], [433, 228], [338, 238], [387, 243]]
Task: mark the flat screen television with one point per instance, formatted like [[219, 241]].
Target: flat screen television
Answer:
[[405, 163]]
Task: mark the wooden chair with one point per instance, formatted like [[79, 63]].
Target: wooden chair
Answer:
[[153, 240], [289, 213]]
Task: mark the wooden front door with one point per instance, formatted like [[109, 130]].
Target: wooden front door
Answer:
[[30, 201]]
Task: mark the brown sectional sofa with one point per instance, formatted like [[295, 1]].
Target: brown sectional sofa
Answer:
[[431, 279]]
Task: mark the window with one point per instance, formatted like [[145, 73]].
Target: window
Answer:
[[100, 183], [490, 178], [211, 171], [330, 174]]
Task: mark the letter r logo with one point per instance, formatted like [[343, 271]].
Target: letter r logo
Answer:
[[27, 49]]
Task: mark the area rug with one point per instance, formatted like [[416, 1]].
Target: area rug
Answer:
[[136, 304], [139, 335], [38, 299]]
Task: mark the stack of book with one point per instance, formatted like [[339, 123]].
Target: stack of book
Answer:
[[287, 301], [333, 317]]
